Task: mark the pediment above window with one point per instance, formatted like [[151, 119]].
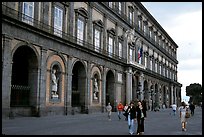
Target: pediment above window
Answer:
[[83, 12], [98, 23], [111, 31]]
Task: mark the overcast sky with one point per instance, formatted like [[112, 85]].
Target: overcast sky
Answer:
[[183, 23]]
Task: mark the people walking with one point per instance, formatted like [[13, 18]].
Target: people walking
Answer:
[[140, 114], [131, 111], [109, 110], [182, 110], [120, 108], [174, 107], [125, 111], [192, 108]]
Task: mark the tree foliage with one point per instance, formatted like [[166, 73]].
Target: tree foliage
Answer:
[[195, 93]]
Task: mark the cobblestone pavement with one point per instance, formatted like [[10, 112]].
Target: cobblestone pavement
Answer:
[[156, 123]]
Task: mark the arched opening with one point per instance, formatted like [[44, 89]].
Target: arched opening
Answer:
[[24, 81], [110, 84], [78, 86]]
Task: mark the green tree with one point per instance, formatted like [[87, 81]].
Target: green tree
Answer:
[[194, 91]]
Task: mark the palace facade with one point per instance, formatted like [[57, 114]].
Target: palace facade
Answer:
[[61, 58]]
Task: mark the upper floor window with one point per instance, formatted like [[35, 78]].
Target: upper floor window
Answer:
[[58, 21], [28, 12], [97, 35], [119, 7], [80, 31], [160, 69], [110, 36], [164, 71], [131, 55], [110, 45], [155, 37], [155, 66], [144, 29], [150, 33], [81, 16], [110, 4], [97, 27], [170, 74], [120, 49], [140, 54], [130, 14], [150, 64], [145, 61]]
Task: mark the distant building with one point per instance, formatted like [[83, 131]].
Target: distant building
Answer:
[[61, 58]]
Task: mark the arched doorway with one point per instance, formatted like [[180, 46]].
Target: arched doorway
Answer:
[[110, 84], [24, 82], [78, 86]]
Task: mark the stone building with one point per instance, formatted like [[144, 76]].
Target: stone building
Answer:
[[61, 58]]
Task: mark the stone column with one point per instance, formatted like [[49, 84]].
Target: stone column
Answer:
[[129, 85], [175, 95], [141, 80], [171, 93], [69, 83], [6, 75], [42, 85], [87, 94], [103, 92]]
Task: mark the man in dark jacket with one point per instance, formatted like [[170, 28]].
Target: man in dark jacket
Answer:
[[192, 108]]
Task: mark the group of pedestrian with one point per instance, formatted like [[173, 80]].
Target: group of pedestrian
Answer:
[[133, 114], [137, 114]]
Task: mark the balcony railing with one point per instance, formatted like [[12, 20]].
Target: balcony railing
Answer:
[[9, 12], [139, 30]]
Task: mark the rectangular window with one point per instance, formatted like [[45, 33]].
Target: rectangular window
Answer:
[[131, 55], [119, 7], [97, 40], [150, 33], [28, 12], [120, 77], [58, 22], [110, 46], [155, 67], [139, 24], [80, 31], [164, 71], [160, 69], [110, 4], [150, 64], [145, 61], [120, 49], [131, 15], [155, 38], [144, 29]]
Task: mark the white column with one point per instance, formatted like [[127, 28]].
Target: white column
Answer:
[[129, 85], [171, 92], [141, 80]]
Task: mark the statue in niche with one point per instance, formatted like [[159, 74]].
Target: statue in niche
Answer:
[[95, 89], [54, 84]]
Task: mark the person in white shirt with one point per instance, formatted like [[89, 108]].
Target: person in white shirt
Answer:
[[174, 108], [182, 110]]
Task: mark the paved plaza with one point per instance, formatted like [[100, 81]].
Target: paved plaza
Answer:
[[156, 123]]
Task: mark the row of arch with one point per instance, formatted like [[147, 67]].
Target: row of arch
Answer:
[[32, 87]]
